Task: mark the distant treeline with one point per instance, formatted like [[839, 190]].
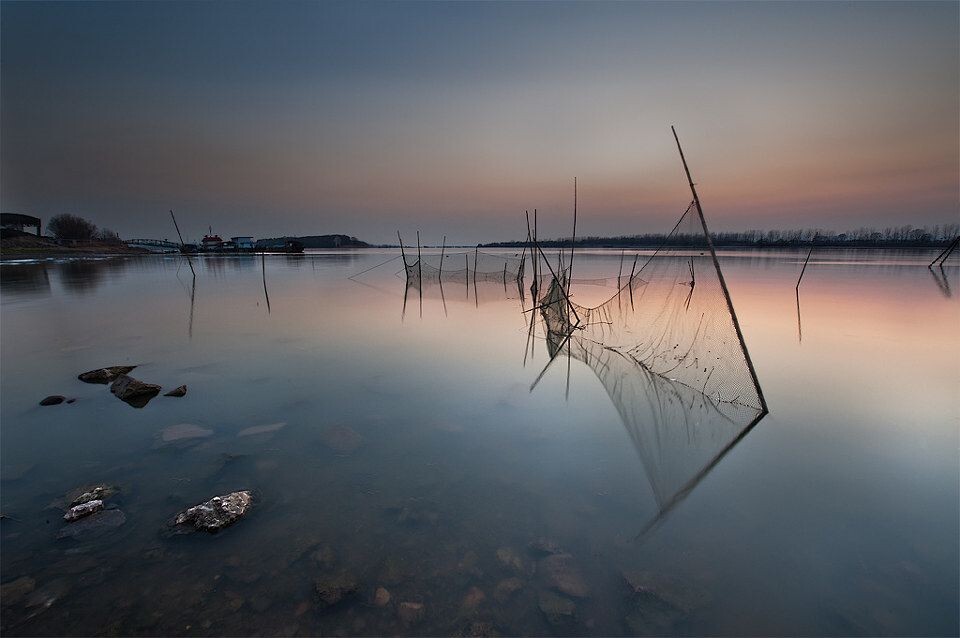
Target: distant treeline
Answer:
[[864, 237], [322, 241]]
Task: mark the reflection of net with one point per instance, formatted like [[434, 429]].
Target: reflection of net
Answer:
[[678, 432], [464, 267], [671, 316]]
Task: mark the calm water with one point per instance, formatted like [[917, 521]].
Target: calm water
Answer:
[[836, 514]]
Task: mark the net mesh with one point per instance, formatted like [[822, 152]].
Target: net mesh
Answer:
[[669, 315], [678, 433], [463, 267]]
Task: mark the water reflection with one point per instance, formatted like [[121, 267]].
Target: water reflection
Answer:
[[678, 433], [25, 279], [942, 280]]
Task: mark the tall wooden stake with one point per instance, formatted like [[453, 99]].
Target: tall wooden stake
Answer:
[[419, 263], [402, 253], [443, 248], [723, 283], [573, 238]]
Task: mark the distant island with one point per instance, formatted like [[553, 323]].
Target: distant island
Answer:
[[323, 241], [891, 237]]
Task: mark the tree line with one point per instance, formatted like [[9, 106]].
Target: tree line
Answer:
[[75, 228], [901, 236]]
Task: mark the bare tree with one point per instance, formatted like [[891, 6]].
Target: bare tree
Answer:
[[68, 226]]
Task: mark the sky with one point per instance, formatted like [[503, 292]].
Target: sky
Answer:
[[365, 118]]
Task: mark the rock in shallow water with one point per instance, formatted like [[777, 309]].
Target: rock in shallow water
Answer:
[[381, 597], [262, 429], [53, 399], [183, 432], [561, 572], [179, 391], [506, 589], [410, 613], [15, 590], [559, 611], [105, 375], [96, 493], [341, 439], [134, 392], [658, 602], [82, 510], [333, 590], [544, 547], [217, 513]]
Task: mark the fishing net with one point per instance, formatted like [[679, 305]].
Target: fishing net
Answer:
[[473, 292], [670, 315], [678, 432], [463, 267]]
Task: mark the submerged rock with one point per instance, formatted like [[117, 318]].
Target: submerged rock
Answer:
[[262, 429], [341, 439], [410, 613], [82, 510], [182, 432], [105, 375], [134, 392], [473, 598], [510, 558], [559, 611], [381, 597], [507, 588], [217, 513], [179, 391], [333, 590], [94, 525], [53, 399], [544, 547], [15, 590], [657, 602], [561, 573]]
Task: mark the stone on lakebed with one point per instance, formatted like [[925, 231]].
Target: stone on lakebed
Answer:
[[82, 510], [134, 392], [217, 513]]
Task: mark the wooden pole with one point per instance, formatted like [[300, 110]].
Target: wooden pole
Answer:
[[805, 261], [177, 227], [620, 272], [402, 253], [573, 238], [443, 248], [419, 263], [723, 283]]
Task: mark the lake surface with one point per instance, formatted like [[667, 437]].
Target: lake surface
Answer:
[[413, 456]]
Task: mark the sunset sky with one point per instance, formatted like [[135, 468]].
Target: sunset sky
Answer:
[[363, 118]]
